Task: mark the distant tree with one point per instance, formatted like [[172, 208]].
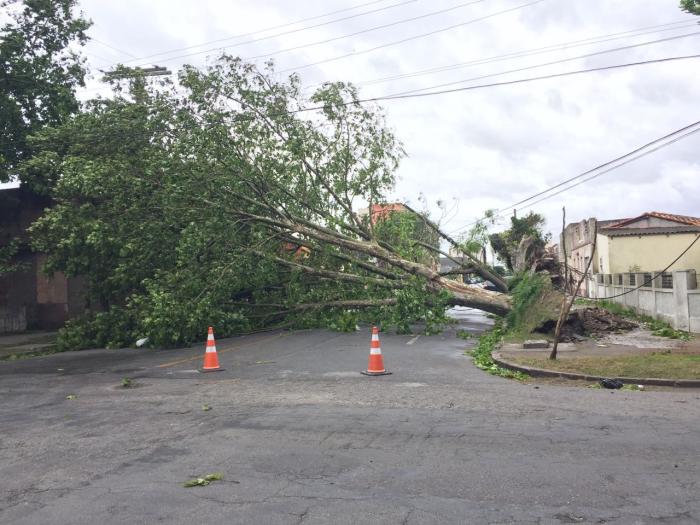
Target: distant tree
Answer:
[[692, 6], [507, 243], [39, 72]]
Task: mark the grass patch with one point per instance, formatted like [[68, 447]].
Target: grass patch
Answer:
[[657, 327], [481, 354], [656, 364]]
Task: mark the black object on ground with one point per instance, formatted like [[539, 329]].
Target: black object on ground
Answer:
[[613, 384]]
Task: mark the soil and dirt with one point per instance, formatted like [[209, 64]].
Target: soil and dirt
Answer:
[[588, 322]]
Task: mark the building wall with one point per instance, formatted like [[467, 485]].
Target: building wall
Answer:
[[678, 305], [648, 253], [29, 299], [602, 255]]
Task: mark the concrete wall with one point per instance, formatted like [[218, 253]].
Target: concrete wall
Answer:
[[675, 300]]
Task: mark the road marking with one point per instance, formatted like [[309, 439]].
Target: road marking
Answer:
[[413, 340], [235, 347]]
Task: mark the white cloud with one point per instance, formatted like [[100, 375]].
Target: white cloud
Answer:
[[486, 148]]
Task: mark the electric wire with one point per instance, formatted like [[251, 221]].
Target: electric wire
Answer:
[[506, 82], [531, 52], [359, 102], [105, 44], [411, 38], [276, 35], [368, 30], [554, 62], [636, 153]]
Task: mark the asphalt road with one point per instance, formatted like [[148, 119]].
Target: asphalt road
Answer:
[[302, 437]]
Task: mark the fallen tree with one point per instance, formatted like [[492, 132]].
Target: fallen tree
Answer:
[[184, 211]]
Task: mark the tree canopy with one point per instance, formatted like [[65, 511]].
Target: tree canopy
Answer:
[[237, 204], [692, 6], [508, 243], [40, 72]]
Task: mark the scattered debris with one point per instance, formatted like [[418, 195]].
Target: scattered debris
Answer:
[[127, 383], [204, 481], [264, 362], [586, 322], [141, 342], [71, 396], [206, 408]]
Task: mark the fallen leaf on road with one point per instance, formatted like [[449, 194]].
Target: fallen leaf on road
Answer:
[[204, 481]]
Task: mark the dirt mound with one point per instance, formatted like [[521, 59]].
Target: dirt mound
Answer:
[[587, 322]]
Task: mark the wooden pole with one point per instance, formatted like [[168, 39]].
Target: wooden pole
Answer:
[[566, 307]]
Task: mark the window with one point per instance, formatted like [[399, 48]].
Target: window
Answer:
[[666, 280], [619, 279], [647, 280], [633, 279]]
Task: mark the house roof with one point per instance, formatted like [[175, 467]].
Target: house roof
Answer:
[[680, 219], [657, 230], [610, 222]]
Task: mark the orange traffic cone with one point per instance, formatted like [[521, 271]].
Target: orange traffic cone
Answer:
[[211, 360], [376, 362]]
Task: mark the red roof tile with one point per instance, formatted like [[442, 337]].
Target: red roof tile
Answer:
[[680, 219]]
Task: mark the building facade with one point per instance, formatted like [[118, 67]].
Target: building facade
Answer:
[[30, 299]]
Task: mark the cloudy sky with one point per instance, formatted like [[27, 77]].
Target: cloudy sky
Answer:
[[479, 149]]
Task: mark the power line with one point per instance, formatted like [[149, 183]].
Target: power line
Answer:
[[504, 83], [112, 48], [415, 37], [535, 51], [619, 165], [512, 82], [493, 84], [636, 153], [644, 154], [369, 30], [357, 15], [622, 157], [553, 62]]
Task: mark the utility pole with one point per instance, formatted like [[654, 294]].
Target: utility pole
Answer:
[[131, 72]]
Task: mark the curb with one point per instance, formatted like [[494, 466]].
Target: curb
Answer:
[[542, 372]]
